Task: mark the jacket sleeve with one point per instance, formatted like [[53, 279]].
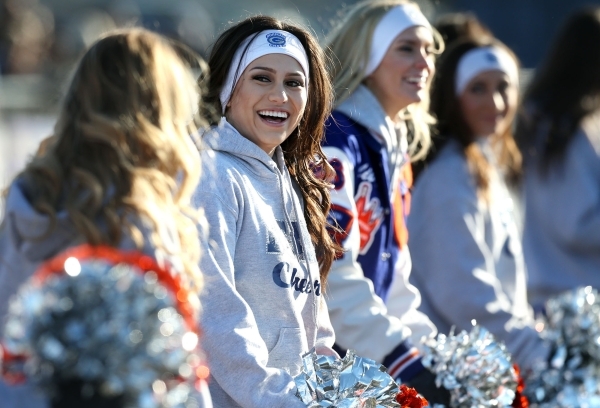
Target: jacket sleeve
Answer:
[[236, 353], [359, 317], [404, 299], [455, 268]]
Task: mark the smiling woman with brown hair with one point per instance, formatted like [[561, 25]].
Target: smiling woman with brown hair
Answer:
[[269, 251]]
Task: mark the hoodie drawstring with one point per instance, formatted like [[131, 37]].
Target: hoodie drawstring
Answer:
[[290, 226]]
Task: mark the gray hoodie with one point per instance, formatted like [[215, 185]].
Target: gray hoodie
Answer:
[[20, 256], [263, 306], [467, 256], [562, 218]]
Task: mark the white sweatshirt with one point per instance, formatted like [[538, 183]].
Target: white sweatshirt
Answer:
[[562, 218], [467, 256]]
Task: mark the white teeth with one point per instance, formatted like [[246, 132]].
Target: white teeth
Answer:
[[416, 80], [277, 114]]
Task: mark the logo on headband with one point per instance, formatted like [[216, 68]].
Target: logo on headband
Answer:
[[276, 39], [491, 57]]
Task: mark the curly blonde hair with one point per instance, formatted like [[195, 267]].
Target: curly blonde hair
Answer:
[[348, 47], [121, 152]]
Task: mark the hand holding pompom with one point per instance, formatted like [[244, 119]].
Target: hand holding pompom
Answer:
[[351, 382]]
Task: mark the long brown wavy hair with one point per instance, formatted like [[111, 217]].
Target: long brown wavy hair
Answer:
[[121, 149], [302, 149], [452, 124]]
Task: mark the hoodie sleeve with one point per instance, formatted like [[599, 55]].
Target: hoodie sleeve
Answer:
[[325, 334], [455, 267], [236, 353], [574, 224], [359, 317]]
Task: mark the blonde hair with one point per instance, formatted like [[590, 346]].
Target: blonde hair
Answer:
[[121, 149], [348, 47]]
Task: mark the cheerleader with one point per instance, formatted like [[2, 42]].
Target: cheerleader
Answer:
[[119, 170], [560, 138], [383, 62], [269, 250], [466, 248]]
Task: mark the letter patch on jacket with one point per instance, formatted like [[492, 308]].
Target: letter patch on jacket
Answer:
[[294, 241], [370, 215]]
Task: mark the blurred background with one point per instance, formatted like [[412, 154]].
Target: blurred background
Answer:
[[41, 40]]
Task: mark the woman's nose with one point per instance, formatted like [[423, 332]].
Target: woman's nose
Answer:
[[277, 94], [423, 61]]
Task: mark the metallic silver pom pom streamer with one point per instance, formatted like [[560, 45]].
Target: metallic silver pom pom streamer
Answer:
[[474, 367], [352, 382], [108, 325], [572, 379]]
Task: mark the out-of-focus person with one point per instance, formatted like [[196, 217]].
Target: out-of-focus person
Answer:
[[119, 171], [559, 135], [453, 27], [26, 36], [457, 26], [466, 247], [383, 57]]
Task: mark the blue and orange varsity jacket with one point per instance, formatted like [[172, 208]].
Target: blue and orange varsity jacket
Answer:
[[370, 202]]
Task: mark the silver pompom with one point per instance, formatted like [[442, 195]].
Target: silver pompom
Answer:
[[352, 382], [474, 367], [572, 378], [109, 325]]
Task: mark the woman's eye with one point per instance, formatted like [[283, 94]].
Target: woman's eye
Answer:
[[261, 78], [503, 87], [478, 89], [294, 84], [405, 48]]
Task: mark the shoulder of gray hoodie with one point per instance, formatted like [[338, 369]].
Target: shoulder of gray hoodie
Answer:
[[21, 253], [562, 217]]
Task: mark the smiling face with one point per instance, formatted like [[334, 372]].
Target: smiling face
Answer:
[[489, 103], [404, 72], [268, 101]]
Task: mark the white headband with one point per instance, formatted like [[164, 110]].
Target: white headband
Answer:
[[483, 59], [265, 42], [393, 23]]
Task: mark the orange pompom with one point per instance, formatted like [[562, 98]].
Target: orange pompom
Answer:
[[520, 400], [410, 398]]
